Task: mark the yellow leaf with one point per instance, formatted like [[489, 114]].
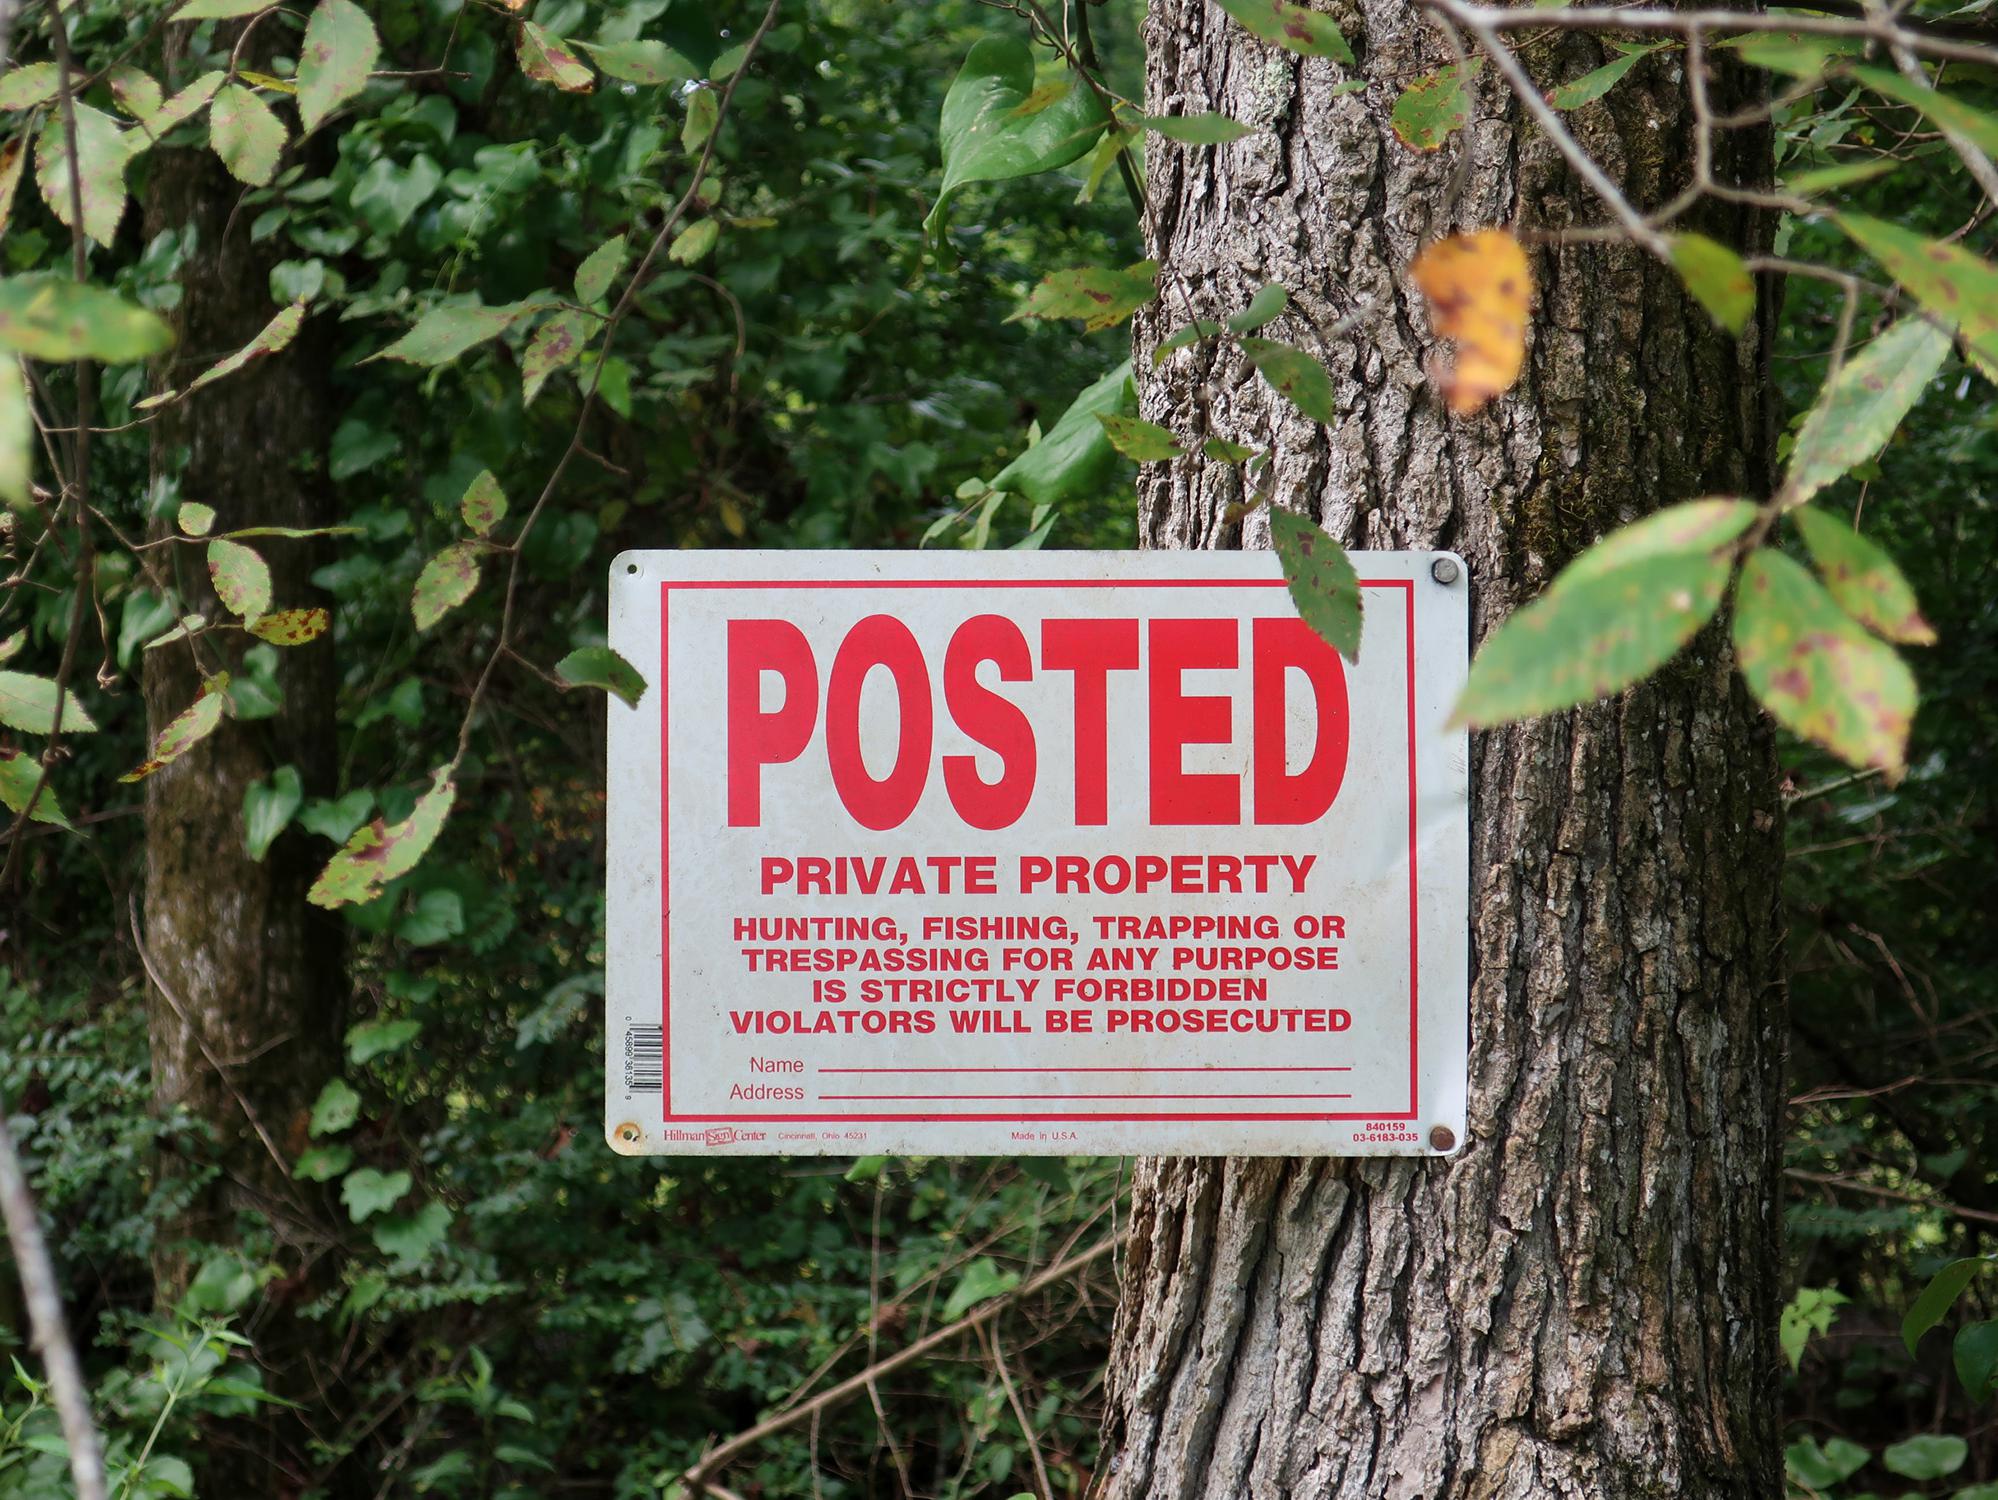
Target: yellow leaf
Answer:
[[1480, 291]]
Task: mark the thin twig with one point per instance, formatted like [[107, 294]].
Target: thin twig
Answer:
[[989, 1337]]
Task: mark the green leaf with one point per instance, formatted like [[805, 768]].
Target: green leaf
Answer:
[[246, 134], [1297, 377], [340, 51], [1929, 1456], [483, 504], [601, 667], [291, 627], [29, 704], [1824, 179], [275, 335], [102, 152], [194, 518], [185, 105], [1145, 442], [1975, 1353], [547, 58], [1811, 1311], [1102, 298], [1593, 85], [1264, 306], [1184, 337], [703, 114], [381, 852], [1859, 408], [367, 1192], [446, 582], [19, 776], [187, 729], [1432, 108], [693, 242], [337, 820], [444, 333], [642, 62], [17, 436], [368, 1040], [438, 915], [1321, 579], [220, 10], [1943, 110], [1864, 579], [556, 343], [165, 1474], [1823, 1468], [1815, 670], [136, 91], [994, 129], [242, 578], [51, 318], [1295, 28], [1198, 130], [1224, 452], [1950, 282], [727, 61], [1074, 455], [268, 807], [982, 1281], [13, 158], [1937, 1298], [1593, 635], [323, 1163], [337, 1107], [409, 1238], [1717, 277], [29, 84], [599, 269], [1693, 526]]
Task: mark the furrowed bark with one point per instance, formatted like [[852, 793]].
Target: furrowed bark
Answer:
[[1583, 1302]]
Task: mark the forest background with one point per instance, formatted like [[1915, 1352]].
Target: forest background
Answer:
[[453, 1288]]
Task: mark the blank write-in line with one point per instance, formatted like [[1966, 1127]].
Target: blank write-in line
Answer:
[[1084, 1096], [1189, 1068]]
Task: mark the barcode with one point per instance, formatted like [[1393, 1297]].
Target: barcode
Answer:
[[645, 1059]]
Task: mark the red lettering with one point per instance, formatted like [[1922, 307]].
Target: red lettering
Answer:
[[757, 739], [1091, 649], [879, 641], [1278, 646], [1179, 720], [995, 722]]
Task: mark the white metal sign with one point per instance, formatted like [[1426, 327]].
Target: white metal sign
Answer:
[[1034, 852]]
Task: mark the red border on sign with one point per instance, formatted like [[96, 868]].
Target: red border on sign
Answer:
[[666, 587]]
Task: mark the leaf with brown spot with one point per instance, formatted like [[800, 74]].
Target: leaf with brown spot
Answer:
[[102, 152], [1101, 297], [1480, 293], [446, 582], [556, 343], [339, 52], [1139, 440], [1321, 580], [547, 58], [1816, 671], [1717, 278], [1297, 377], [1296, 28], [379, 852], [13, 157], [1864, 579], [242, 578], [1431, 109], [483, 504], [1958, 287], [1858, 410], [291, 627], [189, 728]]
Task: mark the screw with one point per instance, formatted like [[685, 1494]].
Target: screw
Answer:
[[1441, 1137], [628, 1133], [1444, 570]]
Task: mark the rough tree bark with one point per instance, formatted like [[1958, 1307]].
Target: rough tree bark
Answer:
[[1583, 1302], [249, 968]]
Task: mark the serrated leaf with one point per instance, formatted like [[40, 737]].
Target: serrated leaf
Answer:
[[1717, 278], [186, 730], [1843, 174], [291, 627], [547, 58], [29, 704], [368, 1040], [1592, 85], [185, 105], [194, 518], [1321, 580], [268, 807], [1431, 109], [1480, 290], [1811, 1311], [28, 84], [703, 114], [987, 134], [1863, 579], [601, 667], [13, 157], [555, 343], [337, 1107], [246, 134], [599, 269], [102, 152], [219, 10], [1975, 1354], [51, 318], [1198, 130], [693, 242], [1943, 110], [483, 504], [323, 1163], [367, 1191], [444, 333], [1859, 409], [1817, 672], [333, 65], [1591, 636], [409, 1238], [380, 851], [17, 435], [1266, 305], [241, 577], [1295, 28], [642, 62], [727, 61], [1297, 377], [135, 91], [1101, 297], [1956, 286], [1927, 1456], [274, 336], [19, 776], [1145, 442], [446, 582], [1692, 526]]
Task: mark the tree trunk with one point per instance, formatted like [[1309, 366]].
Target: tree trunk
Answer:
[[253, 974], [1583, 1302]]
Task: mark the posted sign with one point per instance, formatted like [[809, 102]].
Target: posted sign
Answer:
[[1033, 852]]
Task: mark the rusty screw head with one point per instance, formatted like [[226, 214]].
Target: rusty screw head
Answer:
[[1444, 570], [629, 1133], [1441, 1138]]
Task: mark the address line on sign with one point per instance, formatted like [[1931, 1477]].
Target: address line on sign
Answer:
[[1187, 1068]]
